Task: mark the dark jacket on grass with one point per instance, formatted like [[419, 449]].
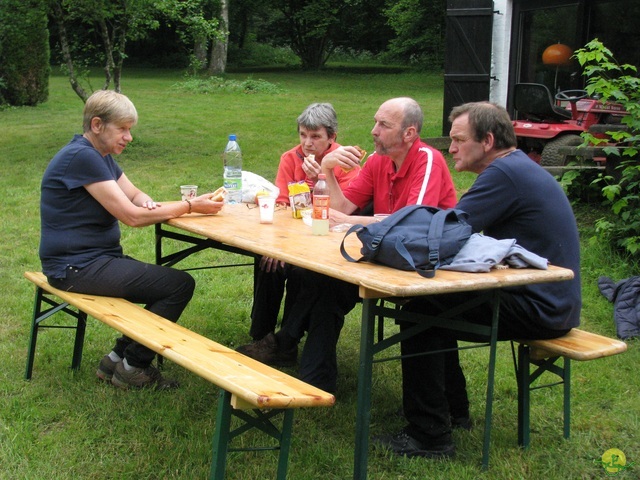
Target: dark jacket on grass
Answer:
[[625, 296]]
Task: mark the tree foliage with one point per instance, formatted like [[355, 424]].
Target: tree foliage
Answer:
[[201, 24], [420, 30], [308, 25], [24, 52], [99, 29], [314, 29]]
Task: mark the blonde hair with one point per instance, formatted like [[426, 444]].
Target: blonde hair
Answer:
[[110, 107]]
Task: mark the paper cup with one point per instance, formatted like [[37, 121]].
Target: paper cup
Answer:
[[189, 192], [306, 215], [267, 205]]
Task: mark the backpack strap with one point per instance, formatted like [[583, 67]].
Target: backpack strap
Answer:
[[423, 272], [343, 251], [435, 235]]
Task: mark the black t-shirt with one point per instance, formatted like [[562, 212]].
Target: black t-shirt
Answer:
[[75, 228]]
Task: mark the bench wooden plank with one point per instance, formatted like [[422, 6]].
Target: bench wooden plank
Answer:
[[253, 383], [576, 345]]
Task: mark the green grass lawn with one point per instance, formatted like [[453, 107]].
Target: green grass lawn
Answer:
[[67, 425]]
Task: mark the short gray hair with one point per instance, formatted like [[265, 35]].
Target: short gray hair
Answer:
[[319, 115], [413, 115], [110, 107]]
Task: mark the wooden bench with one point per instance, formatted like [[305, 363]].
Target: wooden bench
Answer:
[[251, 391], [536, 357]]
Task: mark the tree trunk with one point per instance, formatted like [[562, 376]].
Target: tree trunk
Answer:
[[218, 58], [58, 15], [108, 53], [121, 41], [200, 52]]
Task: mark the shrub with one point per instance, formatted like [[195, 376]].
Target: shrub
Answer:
[[220, 85], [24, 52], [610, 81]]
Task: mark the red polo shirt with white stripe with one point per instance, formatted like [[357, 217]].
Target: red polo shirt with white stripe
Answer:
[[423, 178]]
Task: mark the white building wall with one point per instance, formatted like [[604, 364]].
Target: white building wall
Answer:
[[500, 49]]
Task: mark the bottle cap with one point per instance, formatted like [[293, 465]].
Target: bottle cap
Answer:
[[232, 137], [322, 176]]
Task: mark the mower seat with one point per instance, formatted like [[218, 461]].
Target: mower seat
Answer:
[[533, 102]]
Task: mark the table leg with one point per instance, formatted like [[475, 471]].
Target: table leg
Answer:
[[495, 301], [365, 370]]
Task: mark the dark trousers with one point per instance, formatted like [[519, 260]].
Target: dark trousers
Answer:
[[163, 290], [268, 292], [434, 386], [319, 310]]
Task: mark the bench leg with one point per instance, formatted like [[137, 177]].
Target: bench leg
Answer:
[[525, 379], [221, 437], [40, 314], [285, 444], [260, 420], [524, 395], [567, 397]]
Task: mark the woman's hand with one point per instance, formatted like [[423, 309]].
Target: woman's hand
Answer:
[[205, 204], [311, 169]]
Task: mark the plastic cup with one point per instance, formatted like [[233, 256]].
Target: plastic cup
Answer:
[[189, 192], [267, 205]]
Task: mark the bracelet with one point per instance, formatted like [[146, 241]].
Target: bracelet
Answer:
[[189, 202]]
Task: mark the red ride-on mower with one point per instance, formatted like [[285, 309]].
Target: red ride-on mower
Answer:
[[545, 128]]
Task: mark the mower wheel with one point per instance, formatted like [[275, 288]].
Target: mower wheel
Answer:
[[551, 156]]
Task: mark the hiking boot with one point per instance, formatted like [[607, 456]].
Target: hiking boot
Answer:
[[404, 444], [267, 351], [106, 368], [141, 378]]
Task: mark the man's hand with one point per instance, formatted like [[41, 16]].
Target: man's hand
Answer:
[[270, 265], [344, 157], [336, 217]]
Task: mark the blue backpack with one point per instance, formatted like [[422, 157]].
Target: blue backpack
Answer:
[[416, 237]]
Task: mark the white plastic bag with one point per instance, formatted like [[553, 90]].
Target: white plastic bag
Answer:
[[252, 184]]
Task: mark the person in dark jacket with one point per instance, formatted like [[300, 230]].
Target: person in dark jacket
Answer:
[[512, 197]]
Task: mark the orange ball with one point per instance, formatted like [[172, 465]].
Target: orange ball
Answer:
[[557, 54]]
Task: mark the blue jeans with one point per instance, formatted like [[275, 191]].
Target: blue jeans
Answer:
[[163, 290]]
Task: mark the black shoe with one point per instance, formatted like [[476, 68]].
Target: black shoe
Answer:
[[463, 423], [267, 351], [404, 444]]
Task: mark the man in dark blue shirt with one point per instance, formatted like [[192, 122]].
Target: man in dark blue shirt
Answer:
[[512, 197]]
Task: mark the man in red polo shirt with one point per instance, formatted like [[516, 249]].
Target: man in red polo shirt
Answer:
[[402, 171]]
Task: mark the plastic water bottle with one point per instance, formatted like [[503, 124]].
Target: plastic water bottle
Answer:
[[232, 158], [320, 216]]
